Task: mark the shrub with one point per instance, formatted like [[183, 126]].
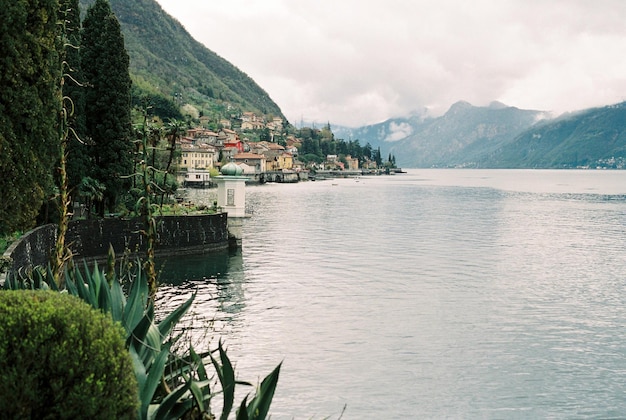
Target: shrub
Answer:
[[60, 358]]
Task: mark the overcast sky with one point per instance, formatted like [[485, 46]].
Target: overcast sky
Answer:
[[359, 62]]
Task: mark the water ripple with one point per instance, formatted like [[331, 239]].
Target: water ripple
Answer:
[[439, 294]]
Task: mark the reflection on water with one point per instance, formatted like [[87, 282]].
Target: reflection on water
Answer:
[[176, 271], [435, 294], [217, 278]]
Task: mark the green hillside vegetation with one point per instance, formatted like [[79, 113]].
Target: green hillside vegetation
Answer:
[[315, 145], [590, 138], [168, 65]]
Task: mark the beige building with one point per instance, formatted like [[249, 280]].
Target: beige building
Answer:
[[353, 163], [202, 156], [252, 125], [230, 135], [251, 160], [280, 162]]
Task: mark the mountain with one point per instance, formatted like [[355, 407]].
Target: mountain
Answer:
[[382, 134], [458, 138], [166, 60], [589, 138], [168, 64], [462, 135], [500, 136]]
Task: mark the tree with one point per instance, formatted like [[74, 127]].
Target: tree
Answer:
[[265, 134], [327, 133], [367, 151], [78, 161], [29, 109], [378, 157], [105, 65], [159, 104]]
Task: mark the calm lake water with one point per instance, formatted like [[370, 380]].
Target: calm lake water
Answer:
[[492, 294]]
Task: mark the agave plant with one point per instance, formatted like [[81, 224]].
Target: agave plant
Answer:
[[170, 385]]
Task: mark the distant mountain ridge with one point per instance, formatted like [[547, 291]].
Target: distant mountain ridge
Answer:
[[462, 135], [499, 136], [456, 138], [594, 137], [166, 59]]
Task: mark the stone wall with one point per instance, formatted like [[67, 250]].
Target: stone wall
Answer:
[[90, 239]]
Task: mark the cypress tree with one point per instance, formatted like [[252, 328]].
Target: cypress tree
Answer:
[[29, 109], [378, 158], [74, 91], [105, 66]]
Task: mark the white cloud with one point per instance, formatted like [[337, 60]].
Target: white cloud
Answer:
[[355, 63], [398, 131]]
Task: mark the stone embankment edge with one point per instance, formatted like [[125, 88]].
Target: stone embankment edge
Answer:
[[89, 240]]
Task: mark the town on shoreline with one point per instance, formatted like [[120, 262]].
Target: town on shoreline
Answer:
[[281, 159]]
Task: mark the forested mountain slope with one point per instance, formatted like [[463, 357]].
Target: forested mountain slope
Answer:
[[592, 138], [499, 136], [166, 60]]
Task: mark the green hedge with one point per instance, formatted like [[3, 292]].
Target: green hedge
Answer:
[[59, 358]]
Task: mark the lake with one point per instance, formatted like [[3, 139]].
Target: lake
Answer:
[[437, 293]]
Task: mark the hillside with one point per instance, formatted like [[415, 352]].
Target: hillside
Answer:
[[166, 60], [458, 138], [167, 63], [462, 135], [499, 136], [590, 138]]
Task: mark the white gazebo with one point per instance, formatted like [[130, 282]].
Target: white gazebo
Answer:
[[231, 197]]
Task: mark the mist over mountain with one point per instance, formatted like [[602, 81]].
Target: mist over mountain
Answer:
[[460, 136], [165, 61], [463, 134], [590, 138], [500, 136]]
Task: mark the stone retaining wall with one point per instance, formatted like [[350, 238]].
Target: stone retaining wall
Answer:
[[90, 239]]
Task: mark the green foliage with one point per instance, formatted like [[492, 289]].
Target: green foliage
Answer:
[[62, 359], [171, 385], [165, 58], [318, 144], [213, 172], [29, 109], [155, 180], [91, 191], [260, 405], [159, 105], [8, 239], [105, 64], [311, 157]]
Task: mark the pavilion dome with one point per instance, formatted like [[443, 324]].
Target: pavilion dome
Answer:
[[232, 169]]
